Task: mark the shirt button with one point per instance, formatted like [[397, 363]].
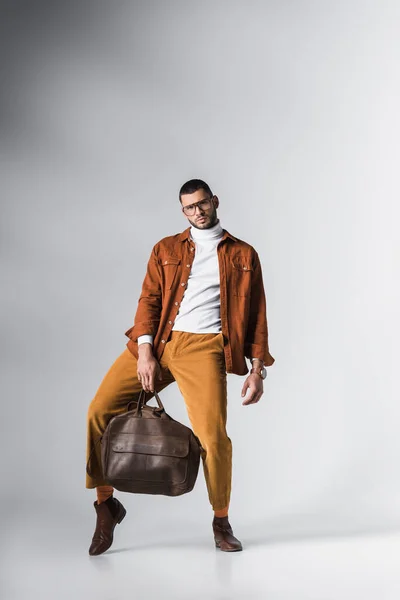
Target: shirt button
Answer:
[[165, 262], [191, 249], [188, 265], [183, 283], [170, 322], [163, 341], [176, 303], [244, 268]]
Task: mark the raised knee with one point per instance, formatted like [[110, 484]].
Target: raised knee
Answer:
[[95, 410]]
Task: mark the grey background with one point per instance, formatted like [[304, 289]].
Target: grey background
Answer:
[[289, 110]]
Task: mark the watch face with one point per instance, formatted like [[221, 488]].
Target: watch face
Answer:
[[262, 372]]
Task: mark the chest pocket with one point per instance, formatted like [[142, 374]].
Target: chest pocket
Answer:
[[241, 277], [170, 266]]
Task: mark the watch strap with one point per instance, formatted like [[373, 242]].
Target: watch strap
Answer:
[[258, 371]]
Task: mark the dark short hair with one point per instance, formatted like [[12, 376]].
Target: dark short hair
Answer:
[[192, 186]]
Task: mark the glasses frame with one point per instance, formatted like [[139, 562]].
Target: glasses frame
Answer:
[[196, 204]]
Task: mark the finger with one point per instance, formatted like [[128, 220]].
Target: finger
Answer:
[[257, 397], [145, 382], [148, 381], [151, 380], [250, 399], [244, 388], [254, 397], [249, 402]]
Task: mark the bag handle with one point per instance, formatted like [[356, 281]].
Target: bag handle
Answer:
[[141, 403]]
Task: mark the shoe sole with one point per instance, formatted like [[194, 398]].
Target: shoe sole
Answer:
[[217, 545]]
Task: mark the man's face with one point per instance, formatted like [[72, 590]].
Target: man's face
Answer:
[[204, 217]]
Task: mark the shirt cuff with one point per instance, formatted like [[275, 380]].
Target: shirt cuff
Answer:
[[143, 339]]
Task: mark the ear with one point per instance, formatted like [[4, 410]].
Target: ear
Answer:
[[216, 201]]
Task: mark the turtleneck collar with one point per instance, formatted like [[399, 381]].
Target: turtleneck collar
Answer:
[[207, 234]]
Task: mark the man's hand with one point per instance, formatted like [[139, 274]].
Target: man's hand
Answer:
[[256, 386], [148, 367]]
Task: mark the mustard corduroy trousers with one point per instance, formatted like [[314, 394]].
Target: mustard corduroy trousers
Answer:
[[196, 362]]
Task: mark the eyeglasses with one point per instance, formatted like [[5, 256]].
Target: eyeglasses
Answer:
[[191, 208]]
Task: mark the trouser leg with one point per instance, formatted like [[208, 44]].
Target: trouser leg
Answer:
[[119, 386], [198, 365]]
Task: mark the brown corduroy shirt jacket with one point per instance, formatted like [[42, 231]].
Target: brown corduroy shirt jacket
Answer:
[[242, 298]]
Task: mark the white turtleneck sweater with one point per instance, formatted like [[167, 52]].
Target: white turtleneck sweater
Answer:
[[199, 311]]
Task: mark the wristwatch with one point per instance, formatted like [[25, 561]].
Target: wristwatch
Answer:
[[261, 372]]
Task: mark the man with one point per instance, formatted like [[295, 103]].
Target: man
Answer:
[[201, 311]]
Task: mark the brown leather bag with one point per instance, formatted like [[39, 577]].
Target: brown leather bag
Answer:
[[145, 451]]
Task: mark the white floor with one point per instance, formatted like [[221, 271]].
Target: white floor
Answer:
[[53, 564]]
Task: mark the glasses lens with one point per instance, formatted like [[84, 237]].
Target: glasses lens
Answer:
[[204, 204]]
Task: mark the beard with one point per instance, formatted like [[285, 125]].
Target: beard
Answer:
[[210, 221]]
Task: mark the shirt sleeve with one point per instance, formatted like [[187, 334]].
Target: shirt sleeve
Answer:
[[256, 342], [148, 312]]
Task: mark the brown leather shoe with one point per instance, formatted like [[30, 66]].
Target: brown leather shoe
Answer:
[[109, 513], [223, 535]]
